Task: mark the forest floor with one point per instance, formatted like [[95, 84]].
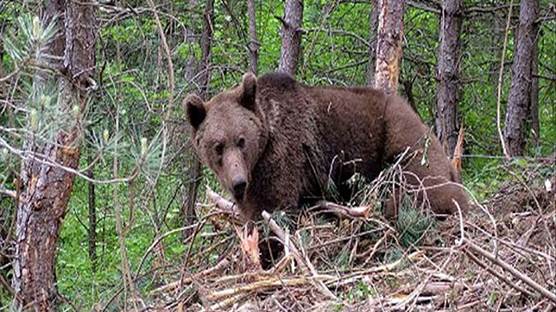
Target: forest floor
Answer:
[[499, 257]]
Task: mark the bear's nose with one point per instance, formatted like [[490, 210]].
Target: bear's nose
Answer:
[[239, 185]]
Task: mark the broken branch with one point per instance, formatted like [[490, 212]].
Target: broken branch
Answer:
[[262, 284], [517, 274], [350, 212], [296, 254]]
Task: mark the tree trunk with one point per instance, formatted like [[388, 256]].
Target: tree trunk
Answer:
[[253, 45], [206, 45], [1, 63], [187, 213], [204, 79], [190, 38], [520, 89], [446, 119], [389, 45], [534, 102], [92, 231], [496, 36], [45, 188], [291, 36], [372, 42]]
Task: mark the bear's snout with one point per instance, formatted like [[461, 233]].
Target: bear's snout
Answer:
[[238, 187], [235, 173]]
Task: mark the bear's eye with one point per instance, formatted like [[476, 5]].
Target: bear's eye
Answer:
[[219, 149], [241, 143]]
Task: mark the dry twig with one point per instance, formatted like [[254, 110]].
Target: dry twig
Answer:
[[524, 278], [297, 255]]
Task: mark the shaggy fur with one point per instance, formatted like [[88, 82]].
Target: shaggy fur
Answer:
[[286, 140]]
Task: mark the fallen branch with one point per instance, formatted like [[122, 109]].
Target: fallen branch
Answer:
[[258, 285], [370, 254], [439, 288], [247, 276], [497, 275], [352, 277], [226, 303], [222, 203], [296, 254], [253, 276], [220, 266], [350, 212], [524, 278], [459, 242], [274, 227]]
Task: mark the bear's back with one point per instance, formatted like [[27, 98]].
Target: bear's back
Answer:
[[331, 123], [354, 101], [346, 120]]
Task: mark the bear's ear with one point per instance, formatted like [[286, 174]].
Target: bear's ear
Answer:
[[195, 109], [249, 89]]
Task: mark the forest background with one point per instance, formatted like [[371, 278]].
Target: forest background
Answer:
[[97, 174]]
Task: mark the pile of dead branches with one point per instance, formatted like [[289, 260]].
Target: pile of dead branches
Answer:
[[501, 256]]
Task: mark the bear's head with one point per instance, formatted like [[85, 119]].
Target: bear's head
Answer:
[[229, 134]]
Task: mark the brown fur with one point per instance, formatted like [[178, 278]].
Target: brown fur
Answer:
[[285, 140]]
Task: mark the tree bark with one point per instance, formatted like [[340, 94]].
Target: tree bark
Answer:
[[389, 45], [45, 188], [206, 45], [187, 213], [204, 79], [92, 230], [534, 102], [520, 89], [446, 119], [496, 36], [291, 36], [253, 44], [372, 42], [190, 38], [1, 62]]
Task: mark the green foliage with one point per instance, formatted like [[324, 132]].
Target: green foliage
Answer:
[[342, 259], [412, 224], [45, 118], [392, 254], [124, 119], [30, 40], [360, 292]]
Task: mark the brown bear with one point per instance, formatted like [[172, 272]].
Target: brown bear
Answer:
[[274, 142]]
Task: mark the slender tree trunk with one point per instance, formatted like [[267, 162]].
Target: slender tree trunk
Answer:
[[1, 63], [446, 119], [206, 45], [520, 89], [291, 36], [45, 189], [253, 45], [191, 63], [389, 45], [189, 177], [372, 42], [92, 231], [534, 102], [2, 74], [204, 79], [496, 36]]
